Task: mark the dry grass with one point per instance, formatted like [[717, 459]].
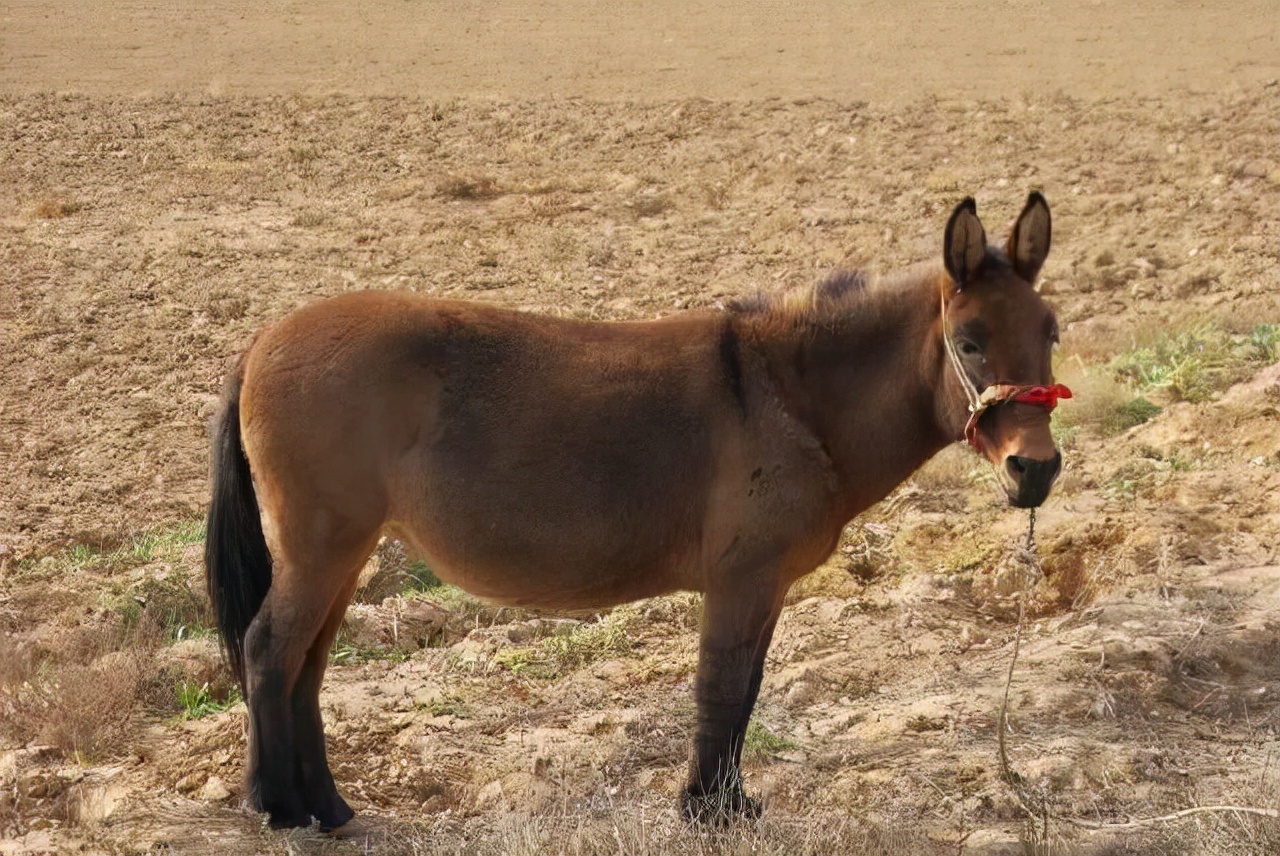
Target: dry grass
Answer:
[[84, 710], [56, 209], [468, 187], [1102, 402], [77, 682], [622, 830], [572, 647]]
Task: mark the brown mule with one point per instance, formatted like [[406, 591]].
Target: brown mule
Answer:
[[565, 464]]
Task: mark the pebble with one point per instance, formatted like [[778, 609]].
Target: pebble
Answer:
[[214, 790], [188, 783]]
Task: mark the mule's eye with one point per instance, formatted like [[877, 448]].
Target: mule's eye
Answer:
[[969, 349]]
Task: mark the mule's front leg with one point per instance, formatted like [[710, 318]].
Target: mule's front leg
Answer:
[[736, 629]]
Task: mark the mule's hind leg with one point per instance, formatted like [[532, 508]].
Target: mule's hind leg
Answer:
[[315, 781], [288, 776], [275, 646], [736, 629]]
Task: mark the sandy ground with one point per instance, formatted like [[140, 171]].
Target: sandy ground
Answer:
[[843, 49], [171, 180]]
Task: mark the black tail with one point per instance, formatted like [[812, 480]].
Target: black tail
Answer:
[[236, 560]]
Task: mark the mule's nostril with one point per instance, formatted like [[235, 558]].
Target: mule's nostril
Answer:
[[1030, 479]]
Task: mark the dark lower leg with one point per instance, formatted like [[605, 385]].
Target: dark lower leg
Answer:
[[729, 678], [315, 781], [753, 692], [270, 778]]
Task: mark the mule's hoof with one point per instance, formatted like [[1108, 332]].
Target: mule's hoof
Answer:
[[289, 820], [718, 808], [335, 816], [361, 832]]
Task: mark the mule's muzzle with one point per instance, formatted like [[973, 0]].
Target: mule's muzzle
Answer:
[[1028, 480]]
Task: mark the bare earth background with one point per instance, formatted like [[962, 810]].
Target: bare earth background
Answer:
[[174, 176]]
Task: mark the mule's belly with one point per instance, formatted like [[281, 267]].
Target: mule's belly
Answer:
[[561, 480], [553, 535], [568, 581]]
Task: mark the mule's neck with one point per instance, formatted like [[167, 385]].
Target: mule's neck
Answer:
[[871, 383]]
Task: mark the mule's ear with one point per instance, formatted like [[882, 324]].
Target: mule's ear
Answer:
[[964, 244], [1028, 245]]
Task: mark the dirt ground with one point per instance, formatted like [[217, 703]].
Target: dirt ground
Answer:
[[171, 179]]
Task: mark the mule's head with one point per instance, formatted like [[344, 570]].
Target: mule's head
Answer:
[[999, 336]]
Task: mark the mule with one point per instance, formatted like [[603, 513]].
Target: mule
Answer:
[[561, 464]]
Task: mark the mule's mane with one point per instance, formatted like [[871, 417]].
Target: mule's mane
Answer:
[[838, 290], [841, 293]]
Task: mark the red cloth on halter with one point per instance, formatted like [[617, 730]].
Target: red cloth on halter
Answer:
[[1043, 396], [1037, 396]]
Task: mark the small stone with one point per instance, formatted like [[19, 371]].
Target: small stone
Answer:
[[491, 796], [1256, 169], [188, 783], [800, 694], [214, 790]]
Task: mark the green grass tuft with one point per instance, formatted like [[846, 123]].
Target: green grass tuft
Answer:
[[761, 744], [418, 577], [162, 543], [1194, 364], [1264, 343], [196, 701], [563, 653], [1133, 412]]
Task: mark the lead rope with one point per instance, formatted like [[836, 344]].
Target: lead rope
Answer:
[[970, 390], [1027, 557], [1039, 816]]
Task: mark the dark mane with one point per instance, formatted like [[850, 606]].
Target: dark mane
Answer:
[[838, 288]]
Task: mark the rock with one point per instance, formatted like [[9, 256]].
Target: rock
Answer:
[[993, 842], [94, 804], [491, 797], [1256, 169], [214, 790], [615, 672], [800, 694], [188, 783]]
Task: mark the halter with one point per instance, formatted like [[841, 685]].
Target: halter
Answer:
[[997, 393]]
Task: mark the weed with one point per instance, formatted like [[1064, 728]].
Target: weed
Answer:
[[395, 573], [1133, 412], [135, 550], [85, 711], [151, 544], [168, 603], [346, 652], [1064, 435], [761, 744], [650, 204], [309, 219], [1179, 464], [468, 187], [648, 828], [1263, 344], [447, 704], [470, 610], [196, 701], [56, 209], [1188, 365], [562, 653], [420, 577]]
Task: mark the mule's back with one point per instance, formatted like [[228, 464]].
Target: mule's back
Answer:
[[532, 460]]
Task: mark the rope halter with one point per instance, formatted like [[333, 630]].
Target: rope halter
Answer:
[[997, 393]]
